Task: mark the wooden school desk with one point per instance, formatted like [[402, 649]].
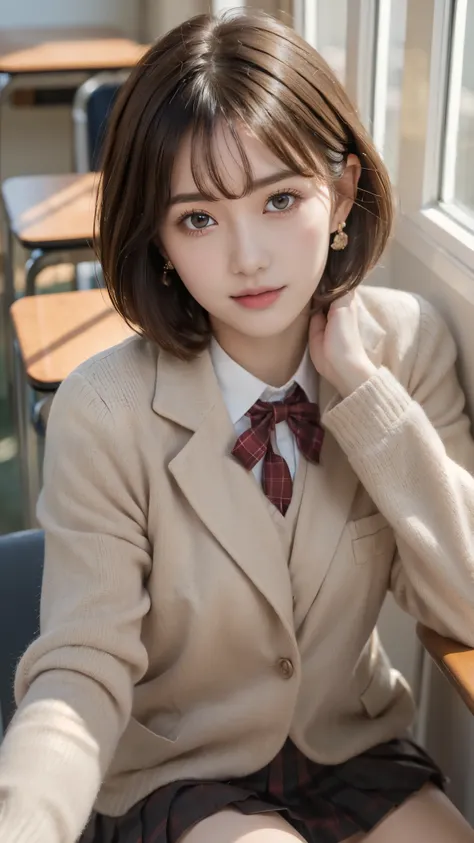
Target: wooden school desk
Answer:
[[57, 57], [52, 217], [54, 334]]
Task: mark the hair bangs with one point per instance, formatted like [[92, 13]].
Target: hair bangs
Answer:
[[246, 71], [266, 120], [208, 170]]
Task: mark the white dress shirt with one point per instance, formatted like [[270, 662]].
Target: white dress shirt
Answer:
[[241, 389]]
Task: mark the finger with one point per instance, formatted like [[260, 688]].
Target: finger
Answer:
[[317, 324], [344, 301]]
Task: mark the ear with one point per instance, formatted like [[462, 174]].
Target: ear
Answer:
[[346, 188]]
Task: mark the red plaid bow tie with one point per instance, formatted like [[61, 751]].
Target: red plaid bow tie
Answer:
[[302, 418]]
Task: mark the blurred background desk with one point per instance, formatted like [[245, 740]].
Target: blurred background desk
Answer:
[[52, 218], [54, 335], [65, 50], [59, 57]]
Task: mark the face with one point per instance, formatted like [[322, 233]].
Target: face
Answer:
[[253, 262]]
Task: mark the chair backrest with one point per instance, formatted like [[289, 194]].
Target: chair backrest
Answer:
[[21, 572], [93, 103]]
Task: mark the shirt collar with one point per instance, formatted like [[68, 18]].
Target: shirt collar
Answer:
[[240, 389]]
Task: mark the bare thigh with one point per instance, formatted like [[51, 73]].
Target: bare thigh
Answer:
[[427, 817], [230, 826]]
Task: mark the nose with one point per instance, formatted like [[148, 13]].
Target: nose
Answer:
[[248, 254]]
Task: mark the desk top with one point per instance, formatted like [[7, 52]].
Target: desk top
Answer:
[[51, 211], [58, 331], [69, 50], [453, 659]]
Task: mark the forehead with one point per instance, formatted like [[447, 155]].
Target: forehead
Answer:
[[226, 156]]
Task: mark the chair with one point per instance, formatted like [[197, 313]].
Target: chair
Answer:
[[21, 571], [37, 56], [31, 201], [52, 218], [93, 103], [53, 335]]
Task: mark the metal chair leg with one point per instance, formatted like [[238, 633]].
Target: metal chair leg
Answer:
[[8, 297], [23, 395], [21, 411], [40, 260], [27, 442], [33, 267], [33, 460]]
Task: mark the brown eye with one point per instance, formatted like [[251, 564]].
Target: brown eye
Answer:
[[198, 221], [280, 202]]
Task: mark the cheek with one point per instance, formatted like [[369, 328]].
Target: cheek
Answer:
[[198, 270], [195, 276], [192, 258], [312, 236]]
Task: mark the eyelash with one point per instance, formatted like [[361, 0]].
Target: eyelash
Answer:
[[199, 232]]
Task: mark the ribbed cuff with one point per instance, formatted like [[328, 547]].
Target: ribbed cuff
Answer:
[[21, 822], [366, 416]]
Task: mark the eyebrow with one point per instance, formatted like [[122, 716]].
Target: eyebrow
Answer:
[[254, 185]]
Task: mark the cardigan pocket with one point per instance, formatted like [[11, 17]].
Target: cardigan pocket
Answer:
[[376, 679], [166, 726], [141, 748], [378, 695], [372, 539]]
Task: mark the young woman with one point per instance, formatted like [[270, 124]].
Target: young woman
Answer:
[[229, 495]]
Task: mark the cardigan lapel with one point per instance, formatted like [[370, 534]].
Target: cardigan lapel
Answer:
[[329, 491], [228, 500], [221, 492], [328, 494]]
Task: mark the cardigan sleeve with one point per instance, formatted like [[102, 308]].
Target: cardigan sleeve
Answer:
[[413, 451], [74, 684]]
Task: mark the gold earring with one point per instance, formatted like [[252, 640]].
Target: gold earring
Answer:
[[341, 239], [168, 267]]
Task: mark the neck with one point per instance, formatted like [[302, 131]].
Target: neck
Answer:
[[273, 360]]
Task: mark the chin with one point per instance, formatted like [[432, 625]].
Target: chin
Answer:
[[266, 328]]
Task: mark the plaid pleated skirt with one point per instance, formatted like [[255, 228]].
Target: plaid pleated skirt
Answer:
[[325, 804]]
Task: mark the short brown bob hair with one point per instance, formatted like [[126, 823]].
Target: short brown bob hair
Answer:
[[243, 69]]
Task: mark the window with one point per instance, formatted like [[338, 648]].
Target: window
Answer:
[[457, 189], [363, 41], [408, 65], [324, 25], [389, 63]]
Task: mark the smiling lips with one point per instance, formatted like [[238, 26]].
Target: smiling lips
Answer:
[[258, 299]]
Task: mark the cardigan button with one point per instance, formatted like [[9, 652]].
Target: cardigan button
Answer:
[[286, 668]]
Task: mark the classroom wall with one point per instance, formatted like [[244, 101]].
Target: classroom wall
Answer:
[[162, 16], [39, 140], [123, 14]]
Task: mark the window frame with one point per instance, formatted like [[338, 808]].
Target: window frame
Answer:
[[381, 71], [423, 216], [360, 40], [453, 104], [441, 227]]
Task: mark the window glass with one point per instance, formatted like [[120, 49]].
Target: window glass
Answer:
[[458, 176], [330, 21], [394, 83]]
